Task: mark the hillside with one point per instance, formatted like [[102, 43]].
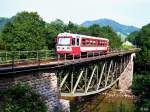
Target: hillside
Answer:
[[117, 27], [3, 21]]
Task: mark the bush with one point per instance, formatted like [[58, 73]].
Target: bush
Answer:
[[20, 98]]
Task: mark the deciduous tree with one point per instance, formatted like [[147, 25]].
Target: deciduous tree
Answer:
[[25, 32]]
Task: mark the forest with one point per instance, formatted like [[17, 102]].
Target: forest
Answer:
[[28, 31]]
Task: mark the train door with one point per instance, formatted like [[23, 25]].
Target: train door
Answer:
[[76, 46]]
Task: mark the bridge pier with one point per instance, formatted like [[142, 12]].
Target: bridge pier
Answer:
[[125, 80]]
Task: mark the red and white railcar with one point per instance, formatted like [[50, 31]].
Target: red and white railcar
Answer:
[[75, 44]]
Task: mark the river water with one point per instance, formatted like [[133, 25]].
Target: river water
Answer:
[[102, 103]]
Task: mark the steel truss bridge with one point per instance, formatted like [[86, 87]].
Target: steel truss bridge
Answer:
[[78, 76]]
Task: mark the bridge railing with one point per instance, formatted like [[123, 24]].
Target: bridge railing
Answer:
[[15, 58], [25, 57]]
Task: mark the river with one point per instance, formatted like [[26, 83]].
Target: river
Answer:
[[106, 102]]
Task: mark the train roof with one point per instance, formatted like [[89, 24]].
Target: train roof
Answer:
[[78, 35]]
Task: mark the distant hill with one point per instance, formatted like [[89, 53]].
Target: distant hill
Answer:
[[3, 21], [117, 27]]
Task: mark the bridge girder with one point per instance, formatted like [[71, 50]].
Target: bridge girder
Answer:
[[91, 78]]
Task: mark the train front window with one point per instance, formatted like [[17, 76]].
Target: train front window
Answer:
[[64, 41]]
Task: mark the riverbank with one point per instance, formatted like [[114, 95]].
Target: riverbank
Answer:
[[120, 93]]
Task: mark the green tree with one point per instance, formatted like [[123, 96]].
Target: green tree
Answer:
[[114, 39], [83, 30], [94, 30], [71, 27], [142, 40], [53, 29], [132, 36], [2, 45], [25, 32]]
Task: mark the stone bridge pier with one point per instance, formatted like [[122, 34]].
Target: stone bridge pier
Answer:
[[125, 80], [46, 84]]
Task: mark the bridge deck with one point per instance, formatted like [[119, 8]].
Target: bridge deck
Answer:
[[53, 64]]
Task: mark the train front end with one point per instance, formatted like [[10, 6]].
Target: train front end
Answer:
[[63, 44]]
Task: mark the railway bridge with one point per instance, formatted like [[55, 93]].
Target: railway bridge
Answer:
[[52, 75]]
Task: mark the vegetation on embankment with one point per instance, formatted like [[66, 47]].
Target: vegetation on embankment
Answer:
[[141, 79], [21, 98]]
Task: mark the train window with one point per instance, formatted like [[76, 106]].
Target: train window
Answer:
[[91, 42], [99, 43], [77, 41], [83, 41], [86, 42], [73, 41], [105, 43]]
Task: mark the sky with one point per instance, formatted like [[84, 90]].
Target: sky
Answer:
[[128, 12]]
